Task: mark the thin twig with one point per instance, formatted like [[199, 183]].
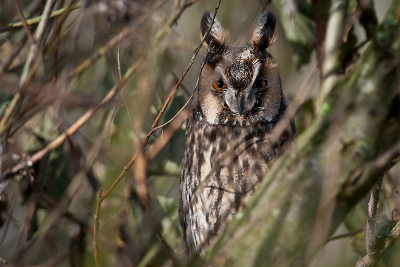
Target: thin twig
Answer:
[[184, 106], [21, 14], [126, 168], [55, 65], [76, 72], [152, 129], [79, 70], [376, 245], [101, 52], [11, 58], [362, 229], [174, 18], [30, 211], [124, 90], [367, 174], [36, 20], [118, 57], [160, 4], [372, 210], [14, 201], [25, 78], [126, 204], [352, 233], [73, 188], [168, 248], [163, 139], [57, 29], [53, 204], [297, 101], [381, 245], [96, 228], [176, 79], [37, 39], [74, 127]]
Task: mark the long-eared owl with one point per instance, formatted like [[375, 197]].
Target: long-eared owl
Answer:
[[238, 102]]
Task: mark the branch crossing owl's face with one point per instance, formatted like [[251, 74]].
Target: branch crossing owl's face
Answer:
[[239, 86]]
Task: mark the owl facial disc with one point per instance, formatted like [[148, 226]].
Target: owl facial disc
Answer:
[[240, 94]]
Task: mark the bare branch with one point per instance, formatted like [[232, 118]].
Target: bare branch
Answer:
[[177, 14], [37, 39], [101, 52], [371, 221], [163, 139], [152, 129], [184, 106], [31, 56], [36, 20], [381, 245], [352, 233], [333, 41], [21, 14], [96, 225], [140, 178], [367, 174], [57, 32], [17, 50], [74, 127]]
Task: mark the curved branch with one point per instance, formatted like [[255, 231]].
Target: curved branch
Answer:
[[381, 245]]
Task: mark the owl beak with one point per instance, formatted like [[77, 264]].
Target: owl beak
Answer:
[[241, 104]]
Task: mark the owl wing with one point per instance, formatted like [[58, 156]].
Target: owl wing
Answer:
[[185, 179]]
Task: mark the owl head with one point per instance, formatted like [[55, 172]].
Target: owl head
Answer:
[[239, 86]]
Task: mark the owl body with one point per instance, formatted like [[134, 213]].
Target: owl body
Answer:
[[228, 146]]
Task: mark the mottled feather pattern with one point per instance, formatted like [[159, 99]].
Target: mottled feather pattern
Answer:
[[228, 149]]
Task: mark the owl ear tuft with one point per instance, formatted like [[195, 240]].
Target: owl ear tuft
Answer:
[[264, 32], [217, 37]]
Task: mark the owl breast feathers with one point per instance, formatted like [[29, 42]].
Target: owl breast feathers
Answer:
[[228, 149]]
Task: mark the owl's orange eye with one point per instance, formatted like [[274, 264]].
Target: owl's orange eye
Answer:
[[219, 85], [260, 83]]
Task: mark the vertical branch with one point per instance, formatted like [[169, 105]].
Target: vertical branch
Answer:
[[177, 4], [96, 228], [140, 178], [37, 39], [377, 246], [320, 30], [333, 41], [21, 14], [30, 212], [371, 221], [55, 65]]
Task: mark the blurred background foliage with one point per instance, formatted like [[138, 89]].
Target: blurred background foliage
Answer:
[[47, 211]]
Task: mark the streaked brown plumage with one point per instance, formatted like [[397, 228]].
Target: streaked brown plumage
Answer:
[[228, 150]]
